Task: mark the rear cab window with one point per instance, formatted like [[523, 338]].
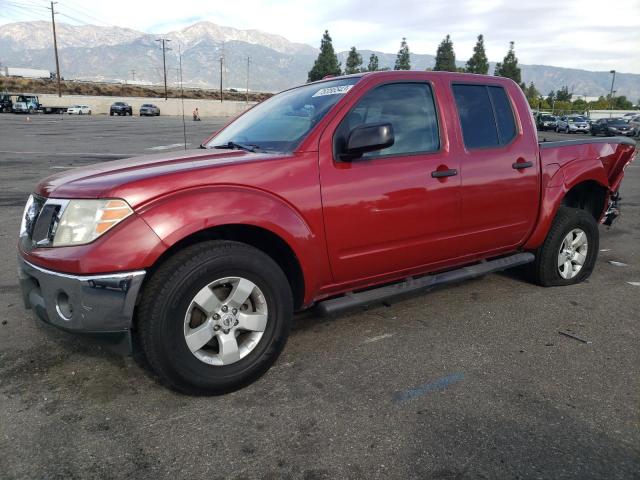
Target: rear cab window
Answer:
[[485, 114]]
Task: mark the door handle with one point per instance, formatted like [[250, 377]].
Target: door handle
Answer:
[[521, 165], [444, 173]]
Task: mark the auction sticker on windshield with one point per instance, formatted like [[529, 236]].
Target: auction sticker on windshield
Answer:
[[342, 89]]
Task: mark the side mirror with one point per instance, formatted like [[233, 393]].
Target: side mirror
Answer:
[[368, 138]]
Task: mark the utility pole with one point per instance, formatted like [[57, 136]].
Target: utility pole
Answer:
[[221, 66], [133, 75], [55, 47], [248, 61], [163, 41], [611, 93]]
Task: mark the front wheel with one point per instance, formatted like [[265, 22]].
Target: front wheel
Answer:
[[215, 317], [570, 250]]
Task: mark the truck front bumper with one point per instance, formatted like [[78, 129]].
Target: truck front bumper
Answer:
[[81, 303]]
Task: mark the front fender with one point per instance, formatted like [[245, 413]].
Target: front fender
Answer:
[[184, 213]]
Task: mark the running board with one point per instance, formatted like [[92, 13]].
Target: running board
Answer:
[[420, 284]]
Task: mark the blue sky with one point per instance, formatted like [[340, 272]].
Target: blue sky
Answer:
[[588, 34]]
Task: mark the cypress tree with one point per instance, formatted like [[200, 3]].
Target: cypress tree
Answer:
[[373, 63], [354, 62], [403, 60], [531, 92], [509, 67], [327, 61], [445, 57], [478, 63]]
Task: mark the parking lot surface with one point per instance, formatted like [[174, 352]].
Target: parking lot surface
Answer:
[[471, 381]]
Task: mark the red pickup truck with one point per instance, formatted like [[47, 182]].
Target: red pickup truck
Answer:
[[338, 193]]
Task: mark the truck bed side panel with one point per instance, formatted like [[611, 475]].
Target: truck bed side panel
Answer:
[[576, 161]]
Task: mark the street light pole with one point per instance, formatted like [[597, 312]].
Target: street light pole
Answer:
[[613, 79]]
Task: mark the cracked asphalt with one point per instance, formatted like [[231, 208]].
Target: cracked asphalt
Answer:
[[467, 382]]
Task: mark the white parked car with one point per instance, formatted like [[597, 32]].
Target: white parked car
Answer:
[[79, 110]]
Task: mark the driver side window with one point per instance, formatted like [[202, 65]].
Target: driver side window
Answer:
[[408, 107]]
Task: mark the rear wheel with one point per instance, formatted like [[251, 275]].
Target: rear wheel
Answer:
[[215, 317], [570, 250]]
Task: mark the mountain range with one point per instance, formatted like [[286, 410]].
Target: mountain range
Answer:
[[98, 53]]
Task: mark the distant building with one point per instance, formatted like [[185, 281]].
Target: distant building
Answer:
[[575, 97], [25, 72]]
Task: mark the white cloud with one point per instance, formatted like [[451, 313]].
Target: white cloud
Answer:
[[571, 33]]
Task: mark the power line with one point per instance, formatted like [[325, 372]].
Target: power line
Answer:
[[22, 12], [79, 10]]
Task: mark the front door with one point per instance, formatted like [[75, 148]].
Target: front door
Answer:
[[393, 209]]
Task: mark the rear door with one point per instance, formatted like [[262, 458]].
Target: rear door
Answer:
[[385, 212], [500, 170]]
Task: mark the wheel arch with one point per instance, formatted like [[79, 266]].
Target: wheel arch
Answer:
[[248, 215], [588, 195], [258, 237], [585, 191]]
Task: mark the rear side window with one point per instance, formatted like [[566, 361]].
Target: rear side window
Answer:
[[504, 114], [485, 115]]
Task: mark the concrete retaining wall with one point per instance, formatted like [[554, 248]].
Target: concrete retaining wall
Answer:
[[172, 106], [596, 114]]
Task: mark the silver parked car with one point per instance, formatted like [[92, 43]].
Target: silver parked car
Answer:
[[148, 109], [634, 123], [572, 124]]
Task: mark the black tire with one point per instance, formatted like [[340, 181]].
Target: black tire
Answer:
[[544, 270], [167, 296], [111, 114]]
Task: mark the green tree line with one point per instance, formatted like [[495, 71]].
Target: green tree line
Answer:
[[327, 64]]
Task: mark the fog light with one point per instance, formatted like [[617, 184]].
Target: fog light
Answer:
[[64, 306]]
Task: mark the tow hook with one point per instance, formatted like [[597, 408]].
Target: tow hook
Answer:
[[613, 211]]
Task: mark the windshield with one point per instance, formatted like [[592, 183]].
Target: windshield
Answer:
[[548, 118], [283, 121]]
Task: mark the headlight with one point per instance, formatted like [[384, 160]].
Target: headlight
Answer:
[[85, 220]]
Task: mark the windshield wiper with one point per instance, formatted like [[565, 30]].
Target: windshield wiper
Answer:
[[237, 146]]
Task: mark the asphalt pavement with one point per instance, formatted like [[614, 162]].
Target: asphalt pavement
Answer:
[[471, 381]]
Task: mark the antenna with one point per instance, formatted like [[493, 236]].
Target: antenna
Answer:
[[184, 125]]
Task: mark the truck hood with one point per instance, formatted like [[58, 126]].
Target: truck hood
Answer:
[[138, 178]]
